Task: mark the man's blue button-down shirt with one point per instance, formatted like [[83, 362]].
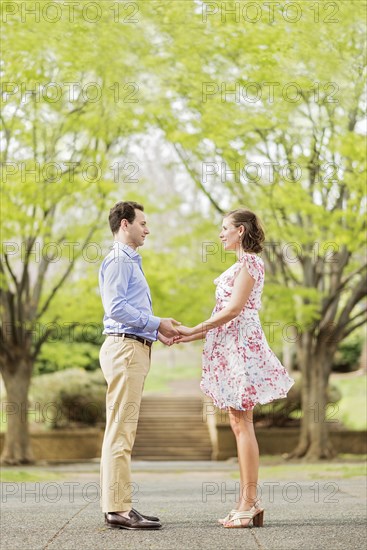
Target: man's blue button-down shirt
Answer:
[[125, 294]]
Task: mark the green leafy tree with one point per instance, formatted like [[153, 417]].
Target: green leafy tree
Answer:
[[269, 115], [171, 73], [57, 178]]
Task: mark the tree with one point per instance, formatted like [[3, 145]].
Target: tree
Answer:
[[264, 99], [57, 178], [270, 117]]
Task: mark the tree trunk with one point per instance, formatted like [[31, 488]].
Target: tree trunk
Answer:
[[17, 449], [314, 442]]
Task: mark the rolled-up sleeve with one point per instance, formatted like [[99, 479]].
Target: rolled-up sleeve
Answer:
[[115, 300]]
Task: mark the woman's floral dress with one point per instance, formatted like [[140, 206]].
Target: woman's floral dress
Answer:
[[239, 368]]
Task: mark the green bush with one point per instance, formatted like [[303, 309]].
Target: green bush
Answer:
[[348, 354], [70, 398], [61, 355]]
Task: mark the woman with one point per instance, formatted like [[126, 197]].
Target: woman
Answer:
[[239, 368]]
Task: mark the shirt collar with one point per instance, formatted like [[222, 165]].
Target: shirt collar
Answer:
[[133, 254]]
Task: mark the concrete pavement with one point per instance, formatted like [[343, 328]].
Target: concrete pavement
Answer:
[[63, 512]]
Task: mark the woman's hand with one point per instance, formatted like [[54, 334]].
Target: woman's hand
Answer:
[[182, 339], [184, 331], [166, 341]]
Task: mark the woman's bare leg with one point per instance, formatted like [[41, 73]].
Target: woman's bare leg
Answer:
[[248, 456]]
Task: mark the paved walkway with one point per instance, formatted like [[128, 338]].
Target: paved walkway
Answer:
[[63, 513]]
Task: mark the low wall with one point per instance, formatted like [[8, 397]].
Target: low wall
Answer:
[[85, 444], [274, 441], [78, 444]]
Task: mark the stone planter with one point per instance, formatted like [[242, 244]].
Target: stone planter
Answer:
[[78, 444]]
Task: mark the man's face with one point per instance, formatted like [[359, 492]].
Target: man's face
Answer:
[[136, 232]]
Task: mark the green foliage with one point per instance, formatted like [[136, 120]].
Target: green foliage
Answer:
[[69, 398], [181, 280], [61, 355], [199, 129], [318, 206], [169, 57], [348, 354]]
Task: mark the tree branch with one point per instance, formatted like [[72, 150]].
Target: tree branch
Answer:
[[359, 292], [352, 328], [337, 291], [12, 274], [196, 179], [66, 273]]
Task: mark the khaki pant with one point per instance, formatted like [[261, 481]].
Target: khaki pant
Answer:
[[125, 364]]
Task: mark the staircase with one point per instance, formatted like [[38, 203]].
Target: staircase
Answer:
[[172, 428]]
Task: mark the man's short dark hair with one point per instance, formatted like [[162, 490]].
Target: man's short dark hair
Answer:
[[123, 211]]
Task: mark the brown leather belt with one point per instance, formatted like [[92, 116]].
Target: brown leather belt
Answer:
[[148, 343]]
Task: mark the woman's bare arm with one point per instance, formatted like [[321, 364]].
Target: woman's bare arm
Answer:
[[242, 288]]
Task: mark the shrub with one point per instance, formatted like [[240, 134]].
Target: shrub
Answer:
[[70, 398], [348, 354], [60, 355]]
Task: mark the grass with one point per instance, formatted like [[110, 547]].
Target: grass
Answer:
[[351, 411], [352, 408], [342, 467], [272, 467], [17, 476], [159, 380], [172, 365]]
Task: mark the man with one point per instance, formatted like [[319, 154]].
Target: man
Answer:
[[130, 328]]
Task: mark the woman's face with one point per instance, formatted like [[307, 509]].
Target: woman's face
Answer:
[[230, 235]]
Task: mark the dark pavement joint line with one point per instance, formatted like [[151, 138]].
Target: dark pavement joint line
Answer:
[[259, 545], [64, 526]]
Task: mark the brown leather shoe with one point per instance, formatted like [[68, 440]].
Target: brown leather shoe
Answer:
[[134, 521], [151, 518]]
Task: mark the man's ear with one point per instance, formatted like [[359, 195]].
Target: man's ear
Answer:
[[124, 223]]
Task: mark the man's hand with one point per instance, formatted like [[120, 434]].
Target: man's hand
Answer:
[[166, 327]]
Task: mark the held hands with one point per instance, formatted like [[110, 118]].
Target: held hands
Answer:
[[186, 335], [167, 329], [166, 341], [168, 334], [185, 331]]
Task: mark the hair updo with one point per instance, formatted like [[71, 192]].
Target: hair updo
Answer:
[[253, 236]]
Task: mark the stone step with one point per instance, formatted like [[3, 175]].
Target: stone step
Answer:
[[172, 428]]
